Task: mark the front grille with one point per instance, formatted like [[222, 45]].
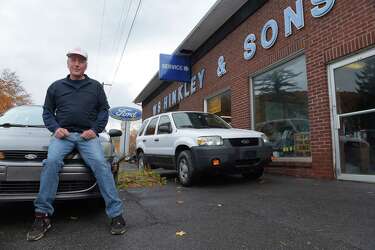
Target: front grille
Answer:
[[242, 142], [20, 155], [33, 187]]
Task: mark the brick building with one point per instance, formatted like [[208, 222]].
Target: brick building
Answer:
[[303, 72]]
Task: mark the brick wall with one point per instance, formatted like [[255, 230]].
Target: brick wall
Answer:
[[346, 29]]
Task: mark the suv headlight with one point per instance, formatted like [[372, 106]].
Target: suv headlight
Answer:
[[210, 141], [265, 138]]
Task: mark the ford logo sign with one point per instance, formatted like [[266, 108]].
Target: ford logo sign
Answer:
[[245, 141], [125, 113], [31, 156]]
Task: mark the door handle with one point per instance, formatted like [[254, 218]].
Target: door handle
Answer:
[[157, 139], [144, 140]]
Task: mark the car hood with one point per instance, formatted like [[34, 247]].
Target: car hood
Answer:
[[224, 133], [33, 139]]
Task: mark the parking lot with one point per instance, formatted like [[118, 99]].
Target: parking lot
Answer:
[[222, 212]]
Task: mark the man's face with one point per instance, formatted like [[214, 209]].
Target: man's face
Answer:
[[77, 65]]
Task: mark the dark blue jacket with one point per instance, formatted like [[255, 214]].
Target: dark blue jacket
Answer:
[[76, 105]]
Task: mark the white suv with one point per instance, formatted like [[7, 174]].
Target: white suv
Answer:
[[197, 142]]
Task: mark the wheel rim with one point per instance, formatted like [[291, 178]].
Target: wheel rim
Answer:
[[183, 170]]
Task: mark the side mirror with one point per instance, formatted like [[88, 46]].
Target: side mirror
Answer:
[[165, 129], [115, 133]]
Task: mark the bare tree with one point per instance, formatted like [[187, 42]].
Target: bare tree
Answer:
[[11, 91]]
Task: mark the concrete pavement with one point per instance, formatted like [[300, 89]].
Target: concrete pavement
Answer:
[[222, 212]]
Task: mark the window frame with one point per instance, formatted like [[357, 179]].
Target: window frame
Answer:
[[143, 127], [170, 122], [156, 125], [294, 159]]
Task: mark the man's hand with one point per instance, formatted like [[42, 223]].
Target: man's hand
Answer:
[[88, 134], [61, 133]]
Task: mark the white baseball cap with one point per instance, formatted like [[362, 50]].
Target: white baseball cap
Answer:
[[77, 51]]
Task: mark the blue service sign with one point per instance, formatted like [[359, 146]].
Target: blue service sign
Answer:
[[125, 113], [174, 68]]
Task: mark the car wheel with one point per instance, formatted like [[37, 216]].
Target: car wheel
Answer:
[[141, 163], [185, 168], [253, 175]]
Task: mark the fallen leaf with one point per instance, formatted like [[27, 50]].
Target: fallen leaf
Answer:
[[261, 181], [283, 243], [180, 202], [73, 218], [180, 233], [219, 205]]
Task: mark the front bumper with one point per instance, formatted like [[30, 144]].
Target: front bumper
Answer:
[[19, 181], [232, 159]]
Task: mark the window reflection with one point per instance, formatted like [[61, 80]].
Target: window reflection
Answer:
[[220, 105], [357, 144], [281, 108], [355, 86]]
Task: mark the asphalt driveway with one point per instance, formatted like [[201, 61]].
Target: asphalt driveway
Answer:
[[224, 212]]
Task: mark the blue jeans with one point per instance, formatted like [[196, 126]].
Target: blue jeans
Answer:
[[92, 153]]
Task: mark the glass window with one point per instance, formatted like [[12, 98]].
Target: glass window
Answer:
[[198, 120], [355, 91], [24, 116], [142, 127], [165, 124], [151, 126], [281, 108], [220, 105], [355, 86]]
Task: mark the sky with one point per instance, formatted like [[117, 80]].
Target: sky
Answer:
[[36, 34]]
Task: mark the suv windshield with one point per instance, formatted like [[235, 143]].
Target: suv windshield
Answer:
[[23, 116], [198, 120]]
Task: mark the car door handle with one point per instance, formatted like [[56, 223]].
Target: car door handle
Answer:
[[157, 139], [144, 140]]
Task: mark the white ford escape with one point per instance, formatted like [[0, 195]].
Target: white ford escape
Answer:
[[195, 142]]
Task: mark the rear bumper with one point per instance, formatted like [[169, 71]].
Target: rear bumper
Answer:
[[232, 159], [19, 181]]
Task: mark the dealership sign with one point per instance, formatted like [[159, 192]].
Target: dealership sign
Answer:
[[174, 68], [320, 8], [180, 93], [125, 113]]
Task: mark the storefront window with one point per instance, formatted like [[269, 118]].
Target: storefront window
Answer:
[[281, 108], [355, 86], [220, 105]]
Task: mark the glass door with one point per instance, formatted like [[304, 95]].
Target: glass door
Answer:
[[352, 92]]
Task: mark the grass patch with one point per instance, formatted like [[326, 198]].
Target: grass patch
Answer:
[[135, 179]]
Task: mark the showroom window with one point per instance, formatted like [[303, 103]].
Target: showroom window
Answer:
[[220, 105], [281, 108]]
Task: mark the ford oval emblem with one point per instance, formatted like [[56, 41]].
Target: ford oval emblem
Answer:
[[31, 156], [245, 141], [125, 113]]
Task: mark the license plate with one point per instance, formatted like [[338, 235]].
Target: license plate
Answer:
[[248, 155]]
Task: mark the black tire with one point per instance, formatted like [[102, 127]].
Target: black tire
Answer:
[[185, 169], [141, 163], [253, 175]]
